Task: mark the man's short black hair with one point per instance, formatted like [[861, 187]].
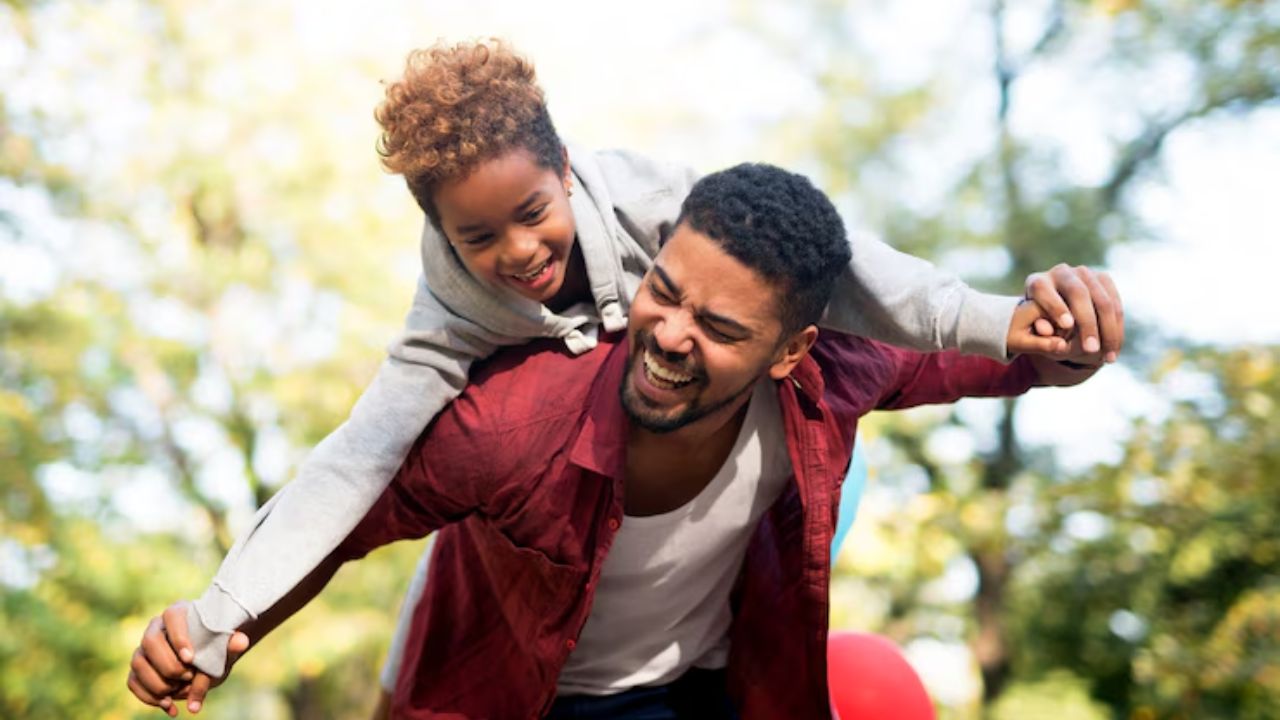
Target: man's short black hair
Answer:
[[778, 224]]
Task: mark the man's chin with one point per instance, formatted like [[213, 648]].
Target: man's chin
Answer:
[[645, 415]]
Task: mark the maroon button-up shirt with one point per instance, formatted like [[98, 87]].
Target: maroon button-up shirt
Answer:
[[524, 477]]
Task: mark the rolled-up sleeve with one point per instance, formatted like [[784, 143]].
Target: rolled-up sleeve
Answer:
[[929, 378]]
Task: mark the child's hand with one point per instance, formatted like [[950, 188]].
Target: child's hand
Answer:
[[161, 670], [1074, 311]]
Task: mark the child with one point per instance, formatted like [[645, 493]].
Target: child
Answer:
[[528, 239]]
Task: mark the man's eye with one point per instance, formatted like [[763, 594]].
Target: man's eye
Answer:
[[718, 336], [660, 296]]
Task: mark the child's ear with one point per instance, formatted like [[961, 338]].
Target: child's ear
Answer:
[[568, 171]]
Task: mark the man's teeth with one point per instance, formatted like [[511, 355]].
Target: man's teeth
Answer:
[[533, 273], [651, 365]]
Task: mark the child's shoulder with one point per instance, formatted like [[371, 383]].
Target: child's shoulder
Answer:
[[632, 175]]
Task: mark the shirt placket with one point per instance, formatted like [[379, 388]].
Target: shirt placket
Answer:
[[607, 528]]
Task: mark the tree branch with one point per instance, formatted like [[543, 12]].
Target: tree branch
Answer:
[[1148, 145]]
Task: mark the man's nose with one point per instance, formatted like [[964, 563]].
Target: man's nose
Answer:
[[673, 333]]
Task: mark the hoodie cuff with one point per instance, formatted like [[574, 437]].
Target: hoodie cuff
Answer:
[[210, 622], [982, 327]]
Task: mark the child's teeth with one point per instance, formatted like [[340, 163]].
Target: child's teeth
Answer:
[[535, 273]]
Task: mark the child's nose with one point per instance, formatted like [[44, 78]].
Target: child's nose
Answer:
[[521, 248]]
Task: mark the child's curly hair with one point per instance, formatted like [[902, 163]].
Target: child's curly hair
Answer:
[[457, 106]]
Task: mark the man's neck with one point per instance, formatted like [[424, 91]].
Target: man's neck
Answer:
[[667, 470]]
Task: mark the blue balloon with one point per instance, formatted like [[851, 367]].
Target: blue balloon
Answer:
[[851, 494]]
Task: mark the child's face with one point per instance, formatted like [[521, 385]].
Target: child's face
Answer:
[[511, 225]]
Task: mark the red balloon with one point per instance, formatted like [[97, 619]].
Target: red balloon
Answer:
[[871, 680]]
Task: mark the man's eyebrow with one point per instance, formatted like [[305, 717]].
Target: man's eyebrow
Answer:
[[522, 207], [732, 324], [705, 314], [666, 280]]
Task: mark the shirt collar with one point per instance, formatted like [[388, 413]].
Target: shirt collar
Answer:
[[806, 376], [601, 444]]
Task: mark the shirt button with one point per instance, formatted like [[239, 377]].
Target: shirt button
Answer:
[[614, 524], [570, 644]]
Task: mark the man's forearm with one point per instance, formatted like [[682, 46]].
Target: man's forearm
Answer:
[[293, 601], [1061, 373]]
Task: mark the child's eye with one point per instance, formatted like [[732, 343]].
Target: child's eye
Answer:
[[536, 214], [478, 240]]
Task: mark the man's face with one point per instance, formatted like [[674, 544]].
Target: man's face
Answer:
[[703, 329], [510, 223]]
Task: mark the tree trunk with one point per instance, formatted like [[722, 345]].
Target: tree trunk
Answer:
[[990, 556], [990, 647]]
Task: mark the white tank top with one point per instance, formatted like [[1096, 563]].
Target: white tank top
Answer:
[[662, 602]]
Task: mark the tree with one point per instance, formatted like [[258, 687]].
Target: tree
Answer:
[[177, 219], [1171, 607], [900, 152]]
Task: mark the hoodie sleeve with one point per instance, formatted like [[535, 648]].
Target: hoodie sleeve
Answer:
[[883, 294], [426, 368], [646, 194], [905, 301]]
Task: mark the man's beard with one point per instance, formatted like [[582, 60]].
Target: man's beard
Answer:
[[638, 407]]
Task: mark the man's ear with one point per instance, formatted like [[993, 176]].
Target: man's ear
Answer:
[[792, 352]]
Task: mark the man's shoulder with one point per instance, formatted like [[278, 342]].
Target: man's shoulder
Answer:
[[540, 381], [840, 354], [855, 368]]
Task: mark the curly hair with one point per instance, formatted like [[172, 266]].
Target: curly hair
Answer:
[[778, 224], [457, 106]]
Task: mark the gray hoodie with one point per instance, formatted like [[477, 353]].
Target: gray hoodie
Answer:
[[622, 206]]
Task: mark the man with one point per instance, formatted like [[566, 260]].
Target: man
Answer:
[[646, 528]]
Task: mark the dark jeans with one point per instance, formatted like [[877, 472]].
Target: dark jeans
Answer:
[[696, 695]]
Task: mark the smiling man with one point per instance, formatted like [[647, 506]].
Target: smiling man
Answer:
[[645, 530]]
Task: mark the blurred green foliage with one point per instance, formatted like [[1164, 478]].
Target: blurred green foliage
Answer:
[[205, 302], [1174, 609], [215, 262], [1107, 627]]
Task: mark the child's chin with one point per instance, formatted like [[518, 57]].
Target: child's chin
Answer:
[[541, 295]]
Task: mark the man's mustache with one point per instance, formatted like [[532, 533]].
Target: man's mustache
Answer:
[[683, 362]]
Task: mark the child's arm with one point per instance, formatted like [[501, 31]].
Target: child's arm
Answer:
[[426, 368], [926, 378], [905, 301], [422, 498], [884, 294]]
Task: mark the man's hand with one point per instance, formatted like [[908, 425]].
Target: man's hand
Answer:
[[1076, 313], [161, 671]]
